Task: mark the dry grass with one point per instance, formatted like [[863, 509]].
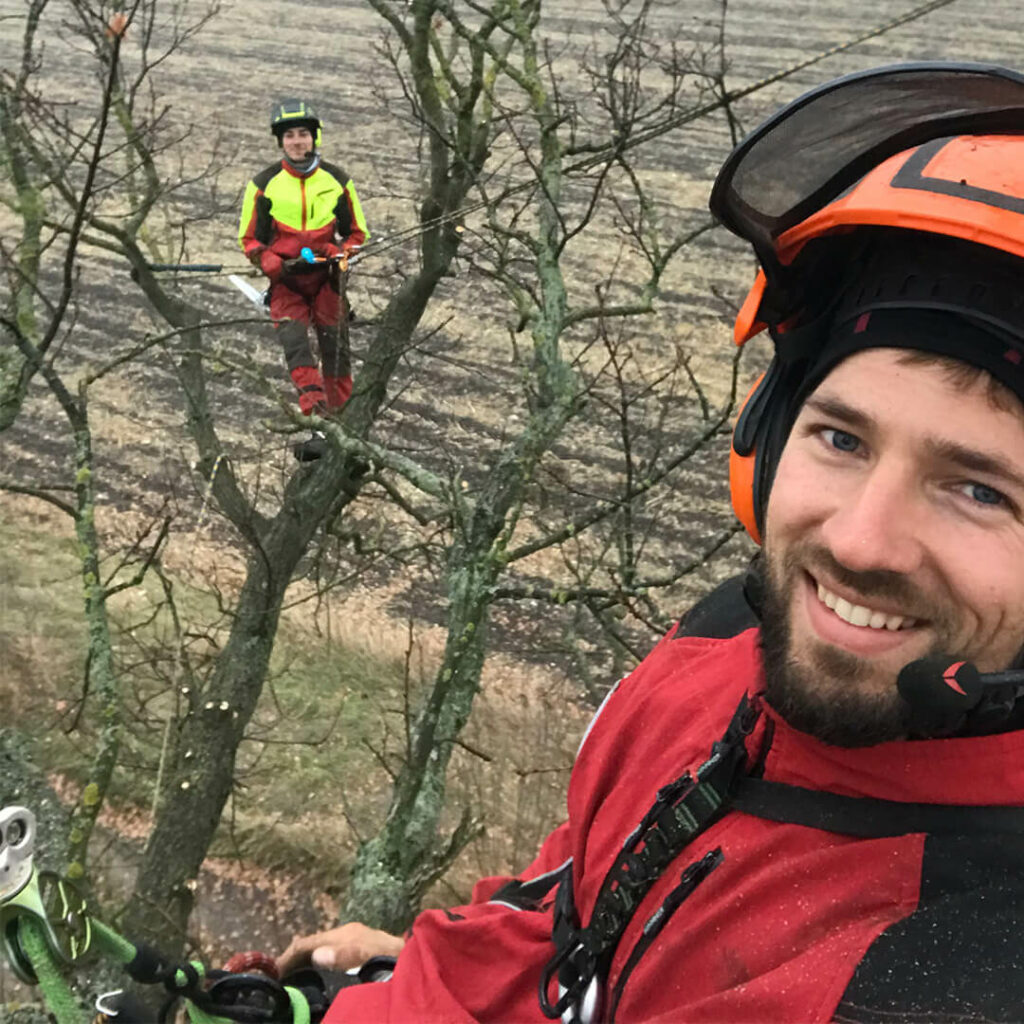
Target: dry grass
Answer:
[[345, 659]]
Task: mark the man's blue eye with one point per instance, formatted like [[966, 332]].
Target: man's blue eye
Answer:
[[841, 440], [985, 495]]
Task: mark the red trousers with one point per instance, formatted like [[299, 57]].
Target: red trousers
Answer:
[[301, 300], [308, 298]]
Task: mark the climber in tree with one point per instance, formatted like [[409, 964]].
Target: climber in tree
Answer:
[[298, 202]]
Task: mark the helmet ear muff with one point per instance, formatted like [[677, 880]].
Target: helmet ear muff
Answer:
[[742, 470], [757, 442], [743, 461], [741, 491]]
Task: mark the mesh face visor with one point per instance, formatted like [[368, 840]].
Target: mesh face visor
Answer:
[[808, 153]]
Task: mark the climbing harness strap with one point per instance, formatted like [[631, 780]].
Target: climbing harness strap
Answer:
[[682, 810]]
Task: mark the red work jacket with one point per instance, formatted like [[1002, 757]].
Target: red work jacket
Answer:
[[797, 923]]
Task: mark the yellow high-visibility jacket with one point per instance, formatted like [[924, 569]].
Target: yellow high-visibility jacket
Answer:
[[284, 210]]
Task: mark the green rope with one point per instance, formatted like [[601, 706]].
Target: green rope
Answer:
[[56, 991], [117, 946], [300, 1008], [113, 943], [65, 1008]]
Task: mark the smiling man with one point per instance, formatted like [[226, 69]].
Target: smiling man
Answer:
[[299, 202], [894, 531], [895, 527], [811, 815]]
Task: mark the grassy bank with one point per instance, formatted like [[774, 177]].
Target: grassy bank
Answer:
[[314, 776], [323, 710]]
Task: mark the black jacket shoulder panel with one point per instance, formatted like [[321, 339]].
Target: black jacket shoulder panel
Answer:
[[335, 171], [956, 957], [262, 179], [723, 613]]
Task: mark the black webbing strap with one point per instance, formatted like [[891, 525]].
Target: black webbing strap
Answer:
[[868, 817], [682, 810], [529, 895]]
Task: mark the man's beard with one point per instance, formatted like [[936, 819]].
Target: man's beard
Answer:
[[835, 698]]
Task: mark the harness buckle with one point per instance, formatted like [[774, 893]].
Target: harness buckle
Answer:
[[553, 967]]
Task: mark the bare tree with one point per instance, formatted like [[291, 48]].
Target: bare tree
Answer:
[[36, 319], [541, 197], [529, 215]]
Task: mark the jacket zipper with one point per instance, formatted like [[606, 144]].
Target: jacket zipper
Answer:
[[691, 877], [302, 192]]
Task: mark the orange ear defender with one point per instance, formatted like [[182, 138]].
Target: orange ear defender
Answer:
[[741, 475], [757, 441]]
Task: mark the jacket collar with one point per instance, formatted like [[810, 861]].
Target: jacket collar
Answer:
[[971, 770], [295, 172]]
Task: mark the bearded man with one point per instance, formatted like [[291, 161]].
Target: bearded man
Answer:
[[806, 803]]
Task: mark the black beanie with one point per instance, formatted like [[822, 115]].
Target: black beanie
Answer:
[[924, 330], [927, 293]]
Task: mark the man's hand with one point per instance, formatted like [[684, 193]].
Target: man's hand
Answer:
[[272, 265], [340, 949]]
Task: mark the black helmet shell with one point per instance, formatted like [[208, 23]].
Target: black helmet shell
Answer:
[[294, 113]]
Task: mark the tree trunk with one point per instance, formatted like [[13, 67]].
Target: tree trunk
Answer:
[[200, 759], [199, 768], [396, 866], [101, 679]]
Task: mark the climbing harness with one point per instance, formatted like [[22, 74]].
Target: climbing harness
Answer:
[[682, 811]]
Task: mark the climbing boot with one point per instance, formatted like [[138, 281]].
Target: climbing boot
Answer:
[[315, 447]]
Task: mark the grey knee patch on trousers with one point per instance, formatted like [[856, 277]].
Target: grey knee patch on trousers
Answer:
[[292, 336]]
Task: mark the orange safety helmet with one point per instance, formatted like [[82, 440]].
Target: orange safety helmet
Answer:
[[883, 160]]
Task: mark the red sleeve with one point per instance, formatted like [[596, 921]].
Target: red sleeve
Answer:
[[459, 966], [467, 963]]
